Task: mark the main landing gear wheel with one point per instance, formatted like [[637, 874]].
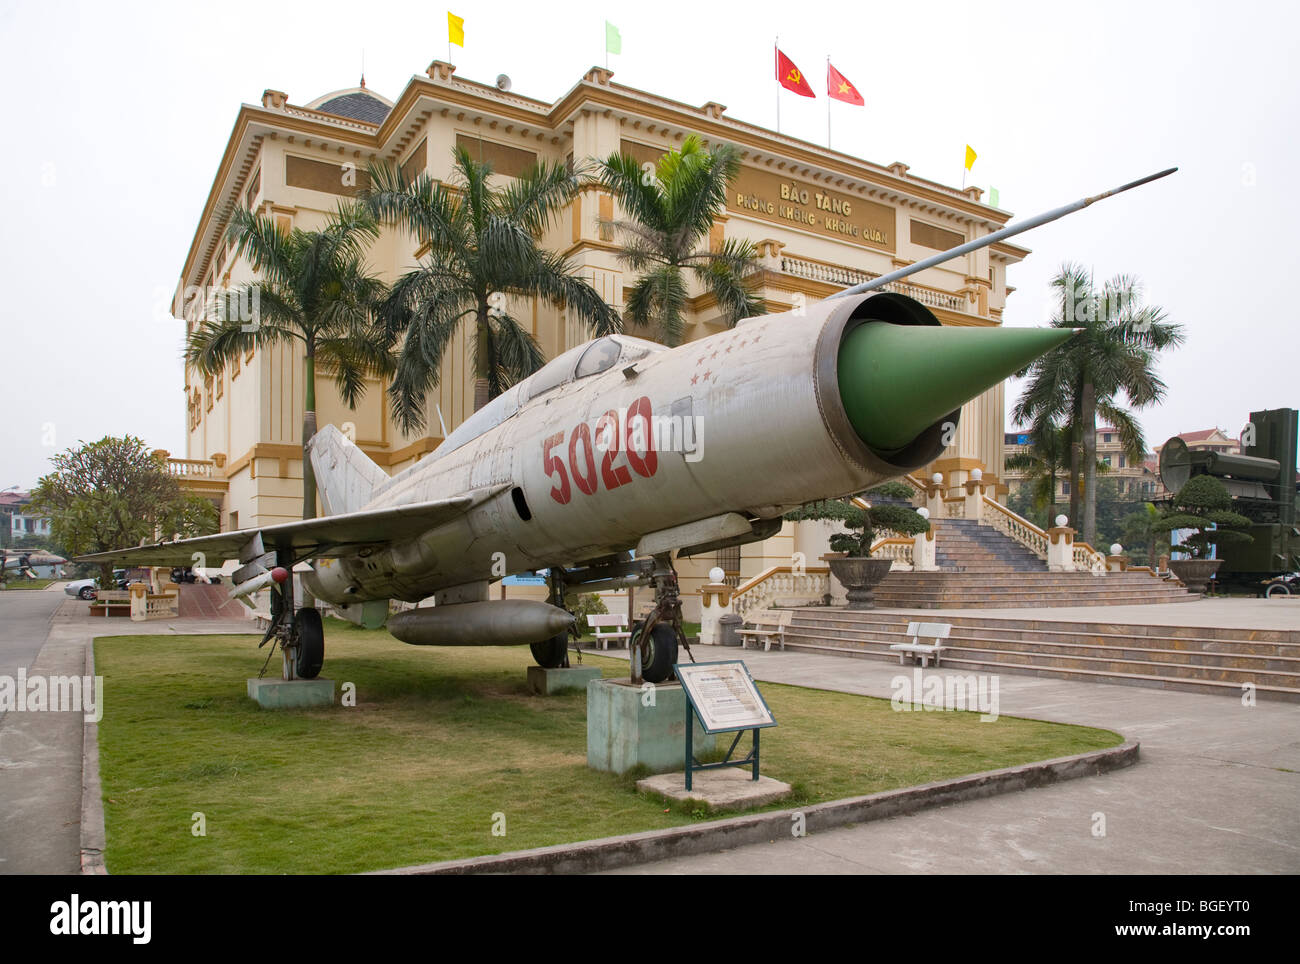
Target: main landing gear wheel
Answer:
[[311, 644], [551, 653], [1277, 589], [658, 652]]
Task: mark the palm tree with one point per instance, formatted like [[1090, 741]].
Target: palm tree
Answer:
[[482, 244], [1045, 460], [314, 287], [1113, 355], [669, 215]]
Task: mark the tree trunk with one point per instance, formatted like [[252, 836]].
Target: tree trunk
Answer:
[[482, 356], [1089, 463], [1075, 458], [309, 430]]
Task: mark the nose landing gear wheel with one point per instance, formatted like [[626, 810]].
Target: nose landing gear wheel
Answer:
[[658, 651], [311, 644], [551, 653]]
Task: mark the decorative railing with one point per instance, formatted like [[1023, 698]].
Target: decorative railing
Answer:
[[165, 606], [812, 583], [834, 274], [1086, 557], [897, 548], [192, 468], [831, 274], [1020, 529], [318, 115]]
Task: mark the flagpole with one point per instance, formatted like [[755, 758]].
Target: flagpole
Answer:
[[776, 68], [828, 102]]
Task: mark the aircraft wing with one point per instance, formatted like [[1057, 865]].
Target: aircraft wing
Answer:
[[326, 537]]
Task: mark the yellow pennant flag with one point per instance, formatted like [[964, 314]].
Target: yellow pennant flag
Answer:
[[970, 157], [456, 31]]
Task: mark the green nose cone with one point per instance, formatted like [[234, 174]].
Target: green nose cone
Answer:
[[898, 380]]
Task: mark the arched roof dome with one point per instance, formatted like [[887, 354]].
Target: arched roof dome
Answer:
[[358, 103]]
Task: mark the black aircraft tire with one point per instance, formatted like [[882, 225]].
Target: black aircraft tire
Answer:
[[1277, 589], [663, 654], [311, 644], [551, 653]]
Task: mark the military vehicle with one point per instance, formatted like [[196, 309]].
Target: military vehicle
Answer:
[[1262, 483]]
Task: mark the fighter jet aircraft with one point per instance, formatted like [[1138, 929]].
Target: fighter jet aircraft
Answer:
[[622, 444], [23, 561]]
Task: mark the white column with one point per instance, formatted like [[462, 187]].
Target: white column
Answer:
[[715, 602], [1060, 546]]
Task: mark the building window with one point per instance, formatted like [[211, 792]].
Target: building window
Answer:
[[1121, 461], [253, 188], [1106, 437], [1065, 488], [729, 562], [1105, 460]]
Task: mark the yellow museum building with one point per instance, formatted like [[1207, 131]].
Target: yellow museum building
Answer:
[[821, 220]]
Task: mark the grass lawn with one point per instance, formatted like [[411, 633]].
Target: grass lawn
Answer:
[[28, 583], [441, 740]]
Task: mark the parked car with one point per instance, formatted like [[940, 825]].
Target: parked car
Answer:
[[82, 588]]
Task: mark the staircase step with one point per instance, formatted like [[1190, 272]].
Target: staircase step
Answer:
[[1196, 659]]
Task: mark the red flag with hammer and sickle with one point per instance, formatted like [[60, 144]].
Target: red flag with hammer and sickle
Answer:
[[791, 77]]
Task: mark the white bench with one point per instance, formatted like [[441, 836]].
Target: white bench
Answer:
[[768, 624], [602, 623], [918, 632]]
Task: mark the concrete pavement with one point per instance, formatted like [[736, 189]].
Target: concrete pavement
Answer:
[[1217, 790], [41, 752]]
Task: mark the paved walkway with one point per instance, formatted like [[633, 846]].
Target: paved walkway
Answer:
[[1236, 612], [40, 753], [1217, 789]]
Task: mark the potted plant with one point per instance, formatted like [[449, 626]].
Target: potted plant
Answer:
[[888, 507], [1204, 506]]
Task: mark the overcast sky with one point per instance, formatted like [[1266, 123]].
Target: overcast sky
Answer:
[[118, 114]]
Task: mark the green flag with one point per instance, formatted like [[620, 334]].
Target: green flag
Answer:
[[613, 39], [993, 196]]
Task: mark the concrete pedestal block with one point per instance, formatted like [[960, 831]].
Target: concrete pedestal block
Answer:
[[730, 789], [279, 694], [547, 681], [622, 731]]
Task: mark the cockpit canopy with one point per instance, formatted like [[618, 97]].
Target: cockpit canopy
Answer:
[[583, 361]]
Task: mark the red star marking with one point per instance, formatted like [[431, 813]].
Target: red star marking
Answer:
[[694, 379], [714, 355], [700, 360], [728, 351], [743, 343], [756, 338], [707, 374]]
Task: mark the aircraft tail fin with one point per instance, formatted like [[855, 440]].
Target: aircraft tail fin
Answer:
[[346, 478]]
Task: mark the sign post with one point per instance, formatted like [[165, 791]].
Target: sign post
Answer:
[[724, 698]]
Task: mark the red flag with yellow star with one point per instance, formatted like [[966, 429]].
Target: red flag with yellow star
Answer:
[[791, 77], [838, 87]]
